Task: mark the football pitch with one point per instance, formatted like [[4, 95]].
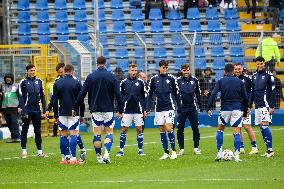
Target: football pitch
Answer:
[[132, 171]]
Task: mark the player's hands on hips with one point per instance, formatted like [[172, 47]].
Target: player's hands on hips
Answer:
[[119, 115], [47, 114], [206, 93], [82, 119], [56, 121], [74, 113], [209, 113], [146, 114], [271, 110]]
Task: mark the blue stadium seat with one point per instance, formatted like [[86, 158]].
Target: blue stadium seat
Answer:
[[101, 4], [211, 13], [137, 2], [43, 39], [117, 15], [139, 53], [217, 51], [177, 39], [155, 14], [213, 26], [179, 62], [24, 29], [106, 53], [43, 29], [116, 4], [218, 74], [136, 42], [42, 16], [81, 28], [62, 37], [174, 15], [103, 40], [120, 40], [136, 14], [215, 39], [194, 26], [237, 51], [123, 64], [175, 26], [103, 27], [138, 26], [83, 37], [282, 27], [25, 40], [199, 39], [160, 52], [238, 59], [61, 16], [193, 14], [232, 25], [179, 52], [23, 5], [41, 5], [231, 14], [218, 63], [234, 38], [102, 16], [157, 27], [282, 14], [24, 17], [62, 29], [121, 53], [140, 64], [199, 52], [158, 39], [79, 5], [80, 16], [119, 27], [60, 5], [200, 63]]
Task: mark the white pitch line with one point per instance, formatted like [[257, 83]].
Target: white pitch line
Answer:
[[147, 181], [146, 143]]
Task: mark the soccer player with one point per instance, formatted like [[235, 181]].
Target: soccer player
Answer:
[[133, 92], [83, 152], [238, 71], [65, 91], [190, 97], [164, 86], [263, 95], [31, 89], [102, 87], [233, 99]]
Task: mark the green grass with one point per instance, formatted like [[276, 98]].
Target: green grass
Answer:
[[131, 171]]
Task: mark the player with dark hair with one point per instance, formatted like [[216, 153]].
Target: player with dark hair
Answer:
[[233, 100], [165, 88]]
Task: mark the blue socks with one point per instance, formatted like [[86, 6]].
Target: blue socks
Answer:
[[73, 144], [109, 144], [242, 144], [80, 142], [267, 136], [237, 141], [122, 140], [219, 140], [63, 148], [97, 138], [171, 136], [140, 139], [164, 141], [253, 144]]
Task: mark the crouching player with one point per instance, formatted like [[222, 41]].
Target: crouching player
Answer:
[[233, 96], [133, 93], [66, 91]]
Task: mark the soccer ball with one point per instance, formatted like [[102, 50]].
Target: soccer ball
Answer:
[[227, 155]]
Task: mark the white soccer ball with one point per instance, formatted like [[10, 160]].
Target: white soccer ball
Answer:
[[227, 155]]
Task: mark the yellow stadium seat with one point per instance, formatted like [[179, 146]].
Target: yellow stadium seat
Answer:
[[282, 104], [251, 66], [280, 65], [244, 15], [250, 40], [250, 52], [242, 3], [281, 77], [256, 27]]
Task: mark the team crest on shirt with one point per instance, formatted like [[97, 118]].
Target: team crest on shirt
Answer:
[[191, 82], [36, 82], [137, 84], [243, 80], [263, 77], [168, 81]]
